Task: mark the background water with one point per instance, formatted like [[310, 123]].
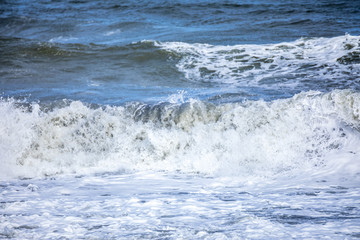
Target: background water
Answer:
[[94, 51], [179, 119]]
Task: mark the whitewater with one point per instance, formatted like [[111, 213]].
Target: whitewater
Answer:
[[235, 139], [179, 119], [234, 170]]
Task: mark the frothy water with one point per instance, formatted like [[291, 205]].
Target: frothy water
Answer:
[[179, 119], [151, 71], [147, 206], [328, 62], [182, 169], [234, 139]]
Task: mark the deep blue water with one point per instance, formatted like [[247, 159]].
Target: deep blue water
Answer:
[[93, 50]]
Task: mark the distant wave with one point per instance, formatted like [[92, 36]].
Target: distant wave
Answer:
[[311, 130], [323, 63], [305, 64]]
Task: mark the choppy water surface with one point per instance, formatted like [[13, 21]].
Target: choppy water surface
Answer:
[[179, 119], [162, 206]]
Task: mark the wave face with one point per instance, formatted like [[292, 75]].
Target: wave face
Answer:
[[311, 130]]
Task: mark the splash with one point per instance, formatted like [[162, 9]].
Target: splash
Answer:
[[234, 139]]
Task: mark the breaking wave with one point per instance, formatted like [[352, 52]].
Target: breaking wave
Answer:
[[307, 63], [249, 138]]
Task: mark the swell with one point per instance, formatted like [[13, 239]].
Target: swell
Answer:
[[253, 138], [263, 53], [329, 62], [266, 71], [28, 48]]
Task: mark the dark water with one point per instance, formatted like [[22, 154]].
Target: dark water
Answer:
[[94, 51]]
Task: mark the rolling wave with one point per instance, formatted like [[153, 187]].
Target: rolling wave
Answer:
[[307, 63], [322, 64], [254, 138]]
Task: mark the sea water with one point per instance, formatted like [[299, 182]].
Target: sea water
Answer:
[[179, 119]]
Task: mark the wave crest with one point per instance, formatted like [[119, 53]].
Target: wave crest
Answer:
[[254, 137], [328, 62]]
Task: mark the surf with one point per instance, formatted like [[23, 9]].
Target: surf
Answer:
[[231, 139]]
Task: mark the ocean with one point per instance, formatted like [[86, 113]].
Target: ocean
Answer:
[[179, 119]]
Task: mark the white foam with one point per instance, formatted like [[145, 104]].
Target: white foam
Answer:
[[177, 97], [150, 206], [115, 32], [284, 64], [62, 39], [257, 138]]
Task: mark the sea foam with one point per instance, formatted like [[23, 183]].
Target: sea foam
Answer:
[[307, 63], [234, 139]]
